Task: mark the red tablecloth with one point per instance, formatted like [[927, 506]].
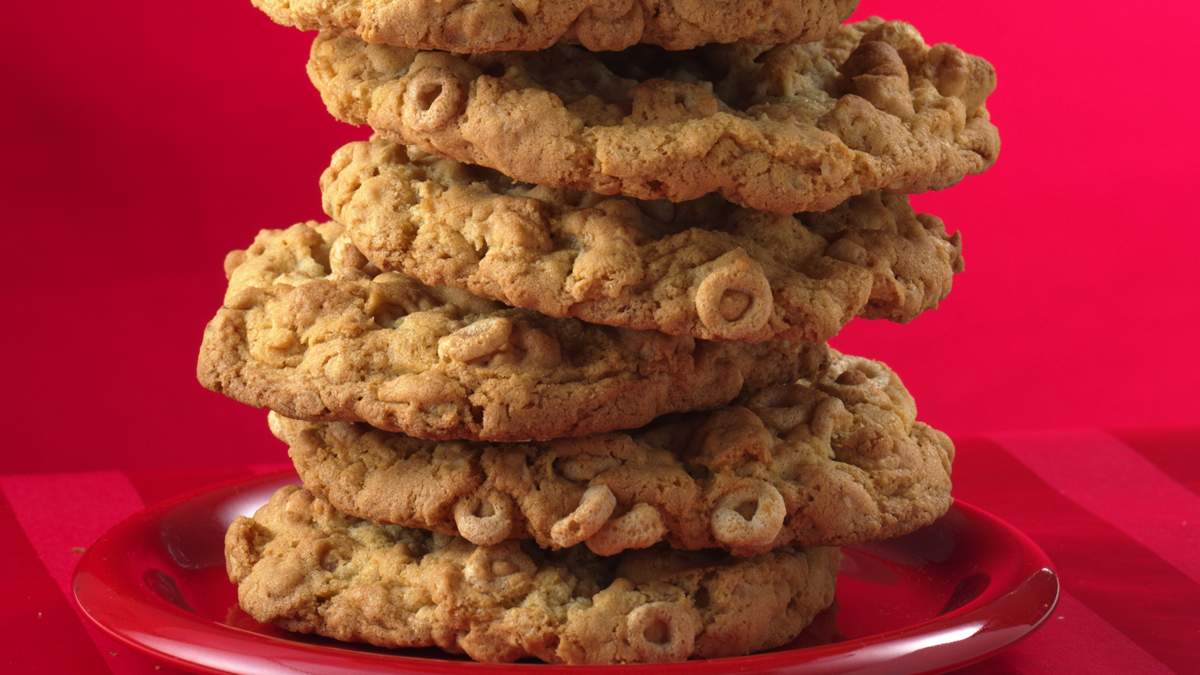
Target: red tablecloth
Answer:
[[1117, 512]]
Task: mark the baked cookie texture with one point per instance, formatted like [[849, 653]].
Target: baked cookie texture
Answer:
[[789, 128], [836, 460], [301, 565], [704, 268], [312, 330], [464, 26]]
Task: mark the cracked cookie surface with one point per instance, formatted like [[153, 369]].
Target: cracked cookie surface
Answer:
[[705, 268], [303, 566], [312, 330], [598, 25], [789, 128], [832, 461]]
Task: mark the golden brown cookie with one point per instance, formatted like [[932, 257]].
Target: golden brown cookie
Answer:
[[600, 25], [789, 128], [834, 461], [312, 330], [303, 566], [704, 268]]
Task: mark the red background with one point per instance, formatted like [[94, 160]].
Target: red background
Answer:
[[144, 140]]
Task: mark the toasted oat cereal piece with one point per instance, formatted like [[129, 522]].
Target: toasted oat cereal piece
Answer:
[[832, 461], [302, 566], [464, 26], [312, 330], [704, 268], [789, 128]]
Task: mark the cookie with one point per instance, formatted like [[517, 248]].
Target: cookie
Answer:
[[598, 25], [789, 128], [312, 330], [835, 461], [704, 268], [302, 566]]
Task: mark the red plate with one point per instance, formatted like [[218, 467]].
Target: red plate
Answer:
[[950, 594]]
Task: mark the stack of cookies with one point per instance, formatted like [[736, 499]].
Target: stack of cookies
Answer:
[[554, 376]]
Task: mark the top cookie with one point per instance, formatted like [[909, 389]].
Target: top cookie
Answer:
[[786, 129], [599, 25]]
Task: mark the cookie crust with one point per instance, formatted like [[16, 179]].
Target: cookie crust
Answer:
[[786, 129], [834, 461], [303, 566], [704, 268], [312, 330], [598, 25]]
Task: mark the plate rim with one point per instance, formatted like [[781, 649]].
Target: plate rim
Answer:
[[96, 596]]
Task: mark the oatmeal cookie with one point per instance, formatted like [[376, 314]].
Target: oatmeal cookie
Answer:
[[312, 330], [463, 26], [789, 128], [302, 566], [833, 461], [704, 268]]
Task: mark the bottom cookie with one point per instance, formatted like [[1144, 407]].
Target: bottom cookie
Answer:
[[303, 566]]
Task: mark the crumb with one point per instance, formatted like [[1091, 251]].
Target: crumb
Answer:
[[77, 549]]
